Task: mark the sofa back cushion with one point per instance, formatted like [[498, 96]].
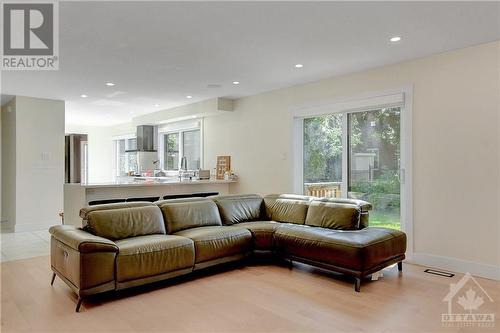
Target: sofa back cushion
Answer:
[[287, 208], [333, 215], [239, 208], [364, 207], [86, 210], [180, 214], [122, 223]]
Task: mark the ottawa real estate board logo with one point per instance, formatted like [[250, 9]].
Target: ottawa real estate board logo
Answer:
[[30, 38], [466, 301]]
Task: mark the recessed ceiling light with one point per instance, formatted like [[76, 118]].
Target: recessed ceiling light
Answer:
[[189, 96], [156, 105], [110, 84], [236, 82], [395, 39], [299, 66], [83, 96]]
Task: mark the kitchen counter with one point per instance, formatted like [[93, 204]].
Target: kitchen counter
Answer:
[[77, 196], [151, 181]]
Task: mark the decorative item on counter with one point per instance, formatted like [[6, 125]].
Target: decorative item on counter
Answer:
[[203, 174], [229, 175], [223, 165]]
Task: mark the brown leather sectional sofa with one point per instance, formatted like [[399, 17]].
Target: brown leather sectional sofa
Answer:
[[130, 244]]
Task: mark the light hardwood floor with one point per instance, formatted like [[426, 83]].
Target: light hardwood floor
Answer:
[[256, 298]]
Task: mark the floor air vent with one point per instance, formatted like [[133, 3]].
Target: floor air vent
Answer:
[[440, 273]]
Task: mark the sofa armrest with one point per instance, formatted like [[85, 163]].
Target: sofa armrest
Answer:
[[82, 241]]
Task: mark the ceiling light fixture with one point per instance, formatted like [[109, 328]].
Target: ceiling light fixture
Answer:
[[236, 82], [156, 105], [299, 66], [189, 96], [83, 96], [395, 39], [110, 84]]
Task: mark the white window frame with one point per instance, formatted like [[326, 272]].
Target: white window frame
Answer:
[[402, 97], [115, 151], [180, 128]]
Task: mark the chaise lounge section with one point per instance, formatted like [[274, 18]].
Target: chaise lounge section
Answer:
[[124, 245]]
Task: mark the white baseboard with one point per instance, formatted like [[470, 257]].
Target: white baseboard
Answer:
[[34, 226], [456, 265]]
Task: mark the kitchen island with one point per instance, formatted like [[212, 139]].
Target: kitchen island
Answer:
[[79, 195]]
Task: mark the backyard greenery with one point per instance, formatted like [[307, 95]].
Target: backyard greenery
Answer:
[[385, 219]]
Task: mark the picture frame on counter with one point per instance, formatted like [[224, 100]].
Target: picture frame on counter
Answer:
[[223, 165]]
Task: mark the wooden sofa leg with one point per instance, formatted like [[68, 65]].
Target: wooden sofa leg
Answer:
[[79, 304], [357, 284], [53, 278], [400, 266]]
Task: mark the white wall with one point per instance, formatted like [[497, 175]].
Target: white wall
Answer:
[[455, 147], [38, 152]]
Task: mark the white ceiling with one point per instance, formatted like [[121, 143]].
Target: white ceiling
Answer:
[[161, 52]]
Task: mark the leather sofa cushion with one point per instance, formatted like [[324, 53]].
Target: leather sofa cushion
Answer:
[[332, 215], [262, 233], [86, 210], [180, 214], [218, 241], [239, 208], [145, 256], [355, 250], [287, 207], [126, 222]]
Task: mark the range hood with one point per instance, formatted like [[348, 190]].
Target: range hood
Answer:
[[146, 139]]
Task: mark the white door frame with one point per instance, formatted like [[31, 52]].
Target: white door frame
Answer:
[[401, 96]]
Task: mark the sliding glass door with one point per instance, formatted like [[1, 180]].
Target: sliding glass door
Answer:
[[356, 155], [374, 163]]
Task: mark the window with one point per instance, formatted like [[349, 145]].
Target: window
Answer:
[[179, 140], [171, 155], [323, 156], [125, 162], [355, 155], [191, 148]]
